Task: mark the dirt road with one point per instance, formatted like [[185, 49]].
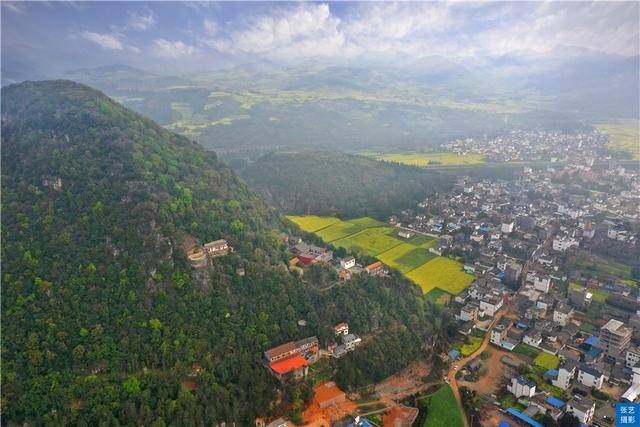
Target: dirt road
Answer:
[[462, 362]]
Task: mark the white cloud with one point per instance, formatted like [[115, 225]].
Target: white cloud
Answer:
[[608, 27], [210, 27], [172, 49], [106, 41], [308, 29], [454, 29], [400, 20], [141, 21]]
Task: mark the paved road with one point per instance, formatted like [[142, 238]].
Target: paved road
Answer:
[[457, 366]]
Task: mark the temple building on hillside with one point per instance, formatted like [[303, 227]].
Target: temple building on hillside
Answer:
[[291, 359]]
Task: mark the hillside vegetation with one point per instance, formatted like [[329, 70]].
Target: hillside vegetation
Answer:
[[105, 323], [324, 183]]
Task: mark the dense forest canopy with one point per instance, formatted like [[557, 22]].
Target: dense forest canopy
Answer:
[[346, 185], [326, 183], [103, 318]]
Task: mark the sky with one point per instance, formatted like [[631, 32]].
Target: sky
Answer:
[[196, 36]]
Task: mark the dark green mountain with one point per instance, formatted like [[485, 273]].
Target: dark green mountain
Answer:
[[103, 320], [346, 185]]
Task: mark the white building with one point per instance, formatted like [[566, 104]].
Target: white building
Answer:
[[632, 393], [469, 312], [522, 387], [351, 341], [583, 409], [562, 243], [347, 262], [533, 338], [477, 237], [562, 314], [341, 329], [633, 357], [570, 212], [405, 234], [590, 377], [490, 304], [566, 373], [541, 282], [507, 227]]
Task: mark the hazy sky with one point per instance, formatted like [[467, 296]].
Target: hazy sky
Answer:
[[192, 36]]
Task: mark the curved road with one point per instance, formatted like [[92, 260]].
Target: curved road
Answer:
[[451, 376]]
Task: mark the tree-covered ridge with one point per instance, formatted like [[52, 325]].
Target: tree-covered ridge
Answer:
[[325, 183], [102, 317]]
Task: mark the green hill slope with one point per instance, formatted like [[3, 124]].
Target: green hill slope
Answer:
[[104, 321]]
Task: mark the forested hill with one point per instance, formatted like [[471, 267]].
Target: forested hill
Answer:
[[103, 320], [331, 183]]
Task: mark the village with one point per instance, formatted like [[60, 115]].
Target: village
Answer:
[[533, 146], [552, 294], [550, 324]]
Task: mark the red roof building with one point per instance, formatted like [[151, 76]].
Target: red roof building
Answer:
[[295, 365]]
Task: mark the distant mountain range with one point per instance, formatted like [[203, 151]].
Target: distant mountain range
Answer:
[[393, 101]]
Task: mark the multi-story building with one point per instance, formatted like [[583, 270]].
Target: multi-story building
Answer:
[[522, 387], [562, 314], [614, 339], [632, 357], [541, 282], [291, 360], [490, 304], [347, 262], [566, 373], [590, 377], [583, 409], [469, 313]]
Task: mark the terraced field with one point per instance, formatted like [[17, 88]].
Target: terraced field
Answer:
[[313, 223], [443, 273], [436, 275], [405, 257], [371, 241], [339, 230]]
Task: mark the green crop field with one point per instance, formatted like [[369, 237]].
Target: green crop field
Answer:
[[367, 222], [432, 159], [602, 268], [443, 273], [598, 295], [546, 360], [438, 296], [470, 348], [313, 223], [437, 276], [405, 257], [527, 350], [371, 241], [624, 135], [338, 231], [423, 241], [443, 410]]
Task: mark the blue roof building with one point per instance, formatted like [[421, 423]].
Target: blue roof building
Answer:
[[592, 341], [555, 402], [524, 418], [551, 373], [454, 354]]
